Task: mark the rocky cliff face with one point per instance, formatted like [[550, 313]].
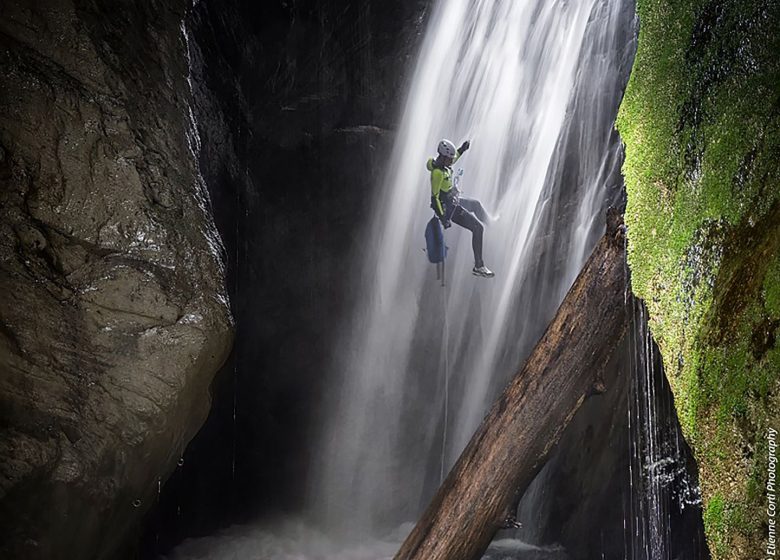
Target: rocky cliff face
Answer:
[[702, 130], [114, 317]]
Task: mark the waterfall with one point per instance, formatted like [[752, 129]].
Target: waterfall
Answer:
[[660, 484], [535, 86]]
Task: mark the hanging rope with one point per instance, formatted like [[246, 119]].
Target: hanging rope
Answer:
[[445, 345]]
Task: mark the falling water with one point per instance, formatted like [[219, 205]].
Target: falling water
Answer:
[[660, 481], [535, 86]]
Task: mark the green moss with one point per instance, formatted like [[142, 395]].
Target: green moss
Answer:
[[715, 523], [701, 124], [771, 289]]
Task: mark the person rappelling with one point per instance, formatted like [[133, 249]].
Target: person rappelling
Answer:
[[450, 207]]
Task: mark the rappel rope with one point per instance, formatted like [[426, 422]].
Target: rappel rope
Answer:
[[446, 344]]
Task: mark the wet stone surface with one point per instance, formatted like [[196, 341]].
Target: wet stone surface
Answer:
[[106, 248]]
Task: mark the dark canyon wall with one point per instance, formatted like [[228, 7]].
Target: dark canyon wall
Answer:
[[113, 316]]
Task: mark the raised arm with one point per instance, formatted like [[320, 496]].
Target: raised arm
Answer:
[[463, 147]]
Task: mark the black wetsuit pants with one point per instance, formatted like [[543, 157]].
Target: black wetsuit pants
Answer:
[[467, 213]]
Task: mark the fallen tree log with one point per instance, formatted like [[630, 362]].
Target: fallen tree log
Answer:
[[526, 422]]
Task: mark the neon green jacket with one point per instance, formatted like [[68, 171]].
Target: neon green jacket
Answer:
[[441, 182]]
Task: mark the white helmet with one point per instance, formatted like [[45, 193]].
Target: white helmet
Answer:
[[447, 148]]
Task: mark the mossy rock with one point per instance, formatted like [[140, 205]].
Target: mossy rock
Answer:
[[701, 124]]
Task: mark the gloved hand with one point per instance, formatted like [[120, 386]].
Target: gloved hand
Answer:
[[445, 222], [465, 146]]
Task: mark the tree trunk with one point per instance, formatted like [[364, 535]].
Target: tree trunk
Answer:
[[514, 440]]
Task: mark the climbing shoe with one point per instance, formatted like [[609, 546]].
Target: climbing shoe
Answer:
[[482, 271]]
